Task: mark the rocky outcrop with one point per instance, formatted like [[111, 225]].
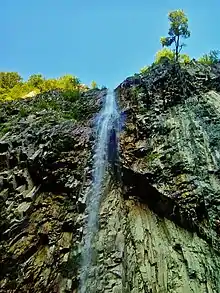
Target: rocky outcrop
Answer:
[[45, 163], [159, 222], [159, 229], [170, 178], [173, 148]]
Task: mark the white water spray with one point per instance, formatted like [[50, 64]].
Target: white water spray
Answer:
[[107, 124]]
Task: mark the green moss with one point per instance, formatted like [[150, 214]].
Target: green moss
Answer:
[[41, 256], [71, 95], [4, 128], [24, 112], [151, 157], [135, 91], [22, 245], [185, 194], [47, 227], [180, 179]]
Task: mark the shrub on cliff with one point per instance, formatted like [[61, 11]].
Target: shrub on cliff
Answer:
[[211, 58], [184, 58], [178, 29], [68, 82], [12, 87], [9, 79], [94, 85], [144, 69], [71, 95], [163, 55], [36, 81]]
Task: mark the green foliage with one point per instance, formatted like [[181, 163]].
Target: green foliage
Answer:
[[178, 29], [68, 82], [184, 58], [23, 112], [9, 79], [178, 24], [3, 94], [36, 81], [167, 54], [20, 91], [12, 87], [4, 128], [205, 60], [94, 85], [164, 54], [144, 70], [71, 95], [49, 84], [211, 58], [48, 104]]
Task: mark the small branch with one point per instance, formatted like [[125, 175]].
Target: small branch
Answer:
[[180, 48]]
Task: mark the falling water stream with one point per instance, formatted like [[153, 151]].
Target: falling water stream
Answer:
[[106, 146]]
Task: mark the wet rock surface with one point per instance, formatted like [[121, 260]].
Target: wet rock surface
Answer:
[[159, 222]]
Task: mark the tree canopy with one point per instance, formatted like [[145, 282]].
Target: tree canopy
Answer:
[[9, 79], [12, 87], [36, 80], [68, 81], [178, 29]]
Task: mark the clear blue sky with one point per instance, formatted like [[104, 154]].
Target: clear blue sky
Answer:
[[101, 40]]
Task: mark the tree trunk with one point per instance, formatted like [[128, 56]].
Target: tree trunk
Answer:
[[177, 48]]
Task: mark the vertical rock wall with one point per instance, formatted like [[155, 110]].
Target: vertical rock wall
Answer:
[[138, 251], [159, 227]]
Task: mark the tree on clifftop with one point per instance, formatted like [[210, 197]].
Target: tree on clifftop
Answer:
[[36, 80], [9, 79], [178, 29]]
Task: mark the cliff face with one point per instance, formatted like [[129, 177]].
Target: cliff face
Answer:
[[159, 225], [170, 155], [45, 161]]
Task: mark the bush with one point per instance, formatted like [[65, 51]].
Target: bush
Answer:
[[19, 91], [163, 55], [9, 79], [184, 58], [167, 54], [12, 87], [36, 81], [23, 112], [94, 85], [68, 82], [211, 58], [71, 95], [144, 69]]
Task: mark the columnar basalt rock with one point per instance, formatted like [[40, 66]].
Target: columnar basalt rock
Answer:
[[45, 170], [159, 223]]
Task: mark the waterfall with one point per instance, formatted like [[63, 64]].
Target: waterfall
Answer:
[[106, 151]]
